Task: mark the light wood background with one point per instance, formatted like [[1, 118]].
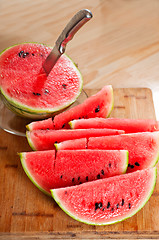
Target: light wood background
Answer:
[[119, 46]]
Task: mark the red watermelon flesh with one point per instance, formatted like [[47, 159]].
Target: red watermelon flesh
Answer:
[[47, 170], [109, 200], [24, 83], [128, 125], [43, 125], [143, 148], [98, 105], [45, 139]]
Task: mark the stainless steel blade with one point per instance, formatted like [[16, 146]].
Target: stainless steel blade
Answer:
[[79, 19]]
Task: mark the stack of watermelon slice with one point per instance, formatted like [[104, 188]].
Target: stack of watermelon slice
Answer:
[[99, 170]]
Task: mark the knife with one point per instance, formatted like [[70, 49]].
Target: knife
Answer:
[[78, 20]]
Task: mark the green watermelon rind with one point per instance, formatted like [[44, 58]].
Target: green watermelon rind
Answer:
[[30, 141], [23, 162], [57, 200], [112, 101], [24, 110]]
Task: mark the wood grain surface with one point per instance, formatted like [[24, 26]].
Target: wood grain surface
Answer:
[[26, 212]]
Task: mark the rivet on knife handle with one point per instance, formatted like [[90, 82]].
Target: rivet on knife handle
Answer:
[[79, 19]]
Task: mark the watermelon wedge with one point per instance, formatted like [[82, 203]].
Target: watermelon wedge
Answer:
[[47, 170], [107, 201], [45, 139], [98, 105], [128, 125], [41, 125], [143, 148], [25, 87]]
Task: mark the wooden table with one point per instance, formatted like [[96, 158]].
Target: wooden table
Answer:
[[119, 46]]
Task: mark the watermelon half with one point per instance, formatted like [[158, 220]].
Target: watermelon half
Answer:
[[108, 200], [143, 148], [47, 169], [128, 125], [25, 87], [45, 139]]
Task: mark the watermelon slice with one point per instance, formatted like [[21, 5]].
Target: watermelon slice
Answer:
[[47, 170], [45, 139], [143, 148], [109, 200], [98, 105], [25, 87], [42, 125], [128, 125]]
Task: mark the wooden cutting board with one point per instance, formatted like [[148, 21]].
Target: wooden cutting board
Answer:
[[27, 212]]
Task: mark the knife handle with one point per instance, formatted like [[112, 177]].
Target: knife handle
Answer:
[[78, 20]]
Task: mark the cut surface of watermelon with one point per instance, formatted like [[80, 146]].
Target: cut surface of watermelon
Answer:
[[47, 170], [41, 125], [45, 139], [98, 105], [107, 201], [143, 148], [25, 86], [128, 125]]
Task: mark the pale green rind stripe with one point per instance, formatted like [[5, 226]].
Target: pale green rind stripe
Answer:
[[149, 193], [24, 165]]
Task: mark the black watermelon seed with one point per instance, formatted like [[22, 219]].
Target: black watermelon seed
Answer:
[[61, 176], [55, 141], [63, 125], [137, 164], [20, 53], [73, 179], [79, 118], [117, 206], [97, 109], [129, 205], [78, 178], [108, 205], [47, 128], [112, 209], [96, 206], [129, 165], [33, 54], [36, 94], [103, 209], [132, 166], [122, 203], [102, 172], [64, 86], [80, 182], [110, 165], [24, 55], [87, 178], [100, 205], [98, 176]]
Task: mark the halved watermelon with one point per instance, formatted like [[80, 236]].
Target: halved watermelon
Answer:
[[45, 139], [143, 148], [128, 125], [109, 200], [25, 87], [47, 170]]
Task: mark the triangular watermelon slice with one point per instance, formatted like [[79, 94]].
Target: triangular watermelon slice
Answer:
[[66, 168], [107, 201], [143, 147], [45, 139]]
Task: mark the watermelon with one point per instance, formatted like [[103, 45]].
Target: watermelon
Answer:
[[42, 125], [143, 148], [47, 170], [107, 201], [98, 105], [26, 88], [45, 139], [128, 125]]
